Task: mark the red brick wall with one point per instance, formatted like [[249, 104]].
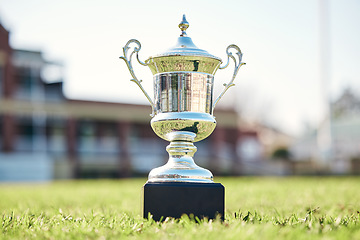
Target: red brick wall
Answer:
[[7, 84]]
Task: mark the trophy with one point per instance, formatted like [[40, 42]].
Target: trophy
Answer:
[[182, 113]]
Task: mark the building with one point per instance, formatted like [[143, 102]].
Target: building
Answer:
[[45, 136], [345, 138]]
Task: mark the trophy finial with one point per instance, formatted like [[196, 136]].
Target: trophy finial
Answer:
[[183, 26]]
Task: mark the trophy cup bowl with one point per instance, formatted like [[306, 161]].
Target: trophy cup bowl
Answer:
[[182, 109]]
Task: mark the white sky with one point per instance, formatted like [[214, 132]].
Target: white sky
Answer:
[[279, 39]]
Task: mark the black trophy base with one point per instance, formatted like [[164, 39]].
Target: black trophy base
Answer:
[[173, 199]]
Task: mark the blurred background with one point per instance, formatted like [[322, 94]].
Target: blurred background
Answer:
[[68, 108]]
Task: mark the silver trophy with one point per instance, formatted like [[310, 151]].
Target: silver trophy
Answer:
[[183, 105]]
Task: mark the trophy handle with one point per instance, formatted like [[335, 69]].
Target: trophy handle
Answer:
[[129, 65], [238, 64]]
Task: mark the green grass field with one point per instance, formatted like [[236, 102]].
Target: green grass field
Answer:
[[256, 208]]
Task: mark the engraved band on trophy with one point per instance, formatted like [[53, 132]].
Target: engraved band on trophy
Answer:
[[183, 105]]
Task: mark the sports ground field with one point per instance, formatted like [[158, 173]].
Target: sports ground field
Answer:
[[256, 208]]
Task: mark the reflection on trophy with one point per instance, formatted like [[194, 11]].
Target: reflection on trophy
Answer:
[[182, 112]]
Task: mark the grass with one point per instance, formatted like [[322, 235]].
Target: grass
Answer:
[[256, 208]]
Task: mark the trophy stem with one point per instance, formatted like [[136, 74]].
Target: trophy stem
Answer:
[[180, 166]]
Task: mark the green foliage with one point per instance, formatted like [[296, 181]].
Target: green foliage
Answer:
[[281, 153], [256, 208]]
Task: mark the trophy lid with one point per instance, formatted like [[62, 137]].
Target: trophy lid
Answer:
[[186, 55], [185, 45]]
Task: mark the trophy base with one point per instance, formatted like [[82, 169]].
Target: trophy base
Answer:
[[173, 199]]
